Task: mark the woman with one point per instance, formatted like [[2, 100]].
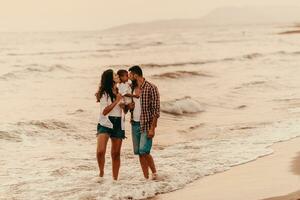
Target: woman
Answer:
[[110, 122]]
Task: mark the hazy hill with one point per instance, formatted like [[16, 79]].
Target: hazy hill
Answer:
[[223, 16], [252, 15]]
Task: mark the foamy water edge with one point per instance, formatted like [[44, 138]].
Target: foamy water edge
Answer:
[[178, 165]]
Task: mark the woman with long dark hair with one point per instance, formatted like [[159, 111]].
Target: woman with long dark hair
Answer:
[[110, 123]]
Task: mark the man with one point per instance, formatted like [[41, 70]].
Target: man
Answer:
[[144, 118]]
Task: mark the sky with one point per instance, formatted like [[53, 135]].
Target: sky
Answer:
[[27, 15]]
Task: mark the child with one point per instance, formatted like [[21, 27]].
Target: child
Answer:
[[124, 86]]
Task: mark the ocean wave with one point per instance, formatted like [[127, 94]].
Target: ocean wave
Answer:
[[181, 74], [7, 76], [252, 56], [46, 124], [296, 52], [49, 68], [78, 111], [178, 64], [246, 57], [61, 52], [10, 136], [181, 106], [50, 130], [123, 47], [238, 58], [34, 68], [136, 45], [192, 128], [226, 41], [289, 32], [254, 84]]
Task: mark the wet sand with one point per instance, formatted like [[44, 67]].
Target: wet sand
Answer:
[[290, 32], [296, 31], [275, 175], [294, 195]]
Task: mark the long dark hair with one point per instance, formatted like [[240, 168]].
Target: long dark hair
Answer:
[[106, 85]]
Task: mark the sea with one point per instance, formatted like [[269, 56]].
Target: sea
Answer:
[[228, 93]]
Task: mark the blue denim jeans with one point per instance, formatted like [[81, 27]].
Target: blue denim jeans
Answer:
[[141, 143]]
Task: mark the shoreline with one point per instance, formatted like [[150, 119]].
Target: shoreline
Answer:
[[295, 170], [291, 196], [267, 177]]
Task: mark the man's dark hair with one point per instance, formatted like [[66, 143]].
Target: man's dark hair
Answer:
[[122, 72], [136, 70]]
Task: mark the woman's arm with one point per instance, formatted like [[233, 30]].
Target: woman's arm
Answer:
[[109, 108]]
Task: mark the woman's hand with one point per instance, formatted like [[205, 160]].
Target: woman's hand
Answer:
[[122, 105], [107, 109]]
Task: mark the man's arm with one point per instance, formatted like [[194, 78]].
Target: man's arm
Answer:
[[155, 110]]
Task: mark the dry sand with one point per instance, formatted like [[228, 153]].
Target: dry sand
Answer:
[[274, 175]]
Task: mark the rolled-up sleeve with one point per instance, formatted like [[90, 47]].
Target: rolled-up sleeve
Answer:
[[155, 101]]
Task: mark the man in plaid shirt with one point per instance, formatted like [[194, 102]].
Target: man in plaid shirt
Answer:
[[144, 118]]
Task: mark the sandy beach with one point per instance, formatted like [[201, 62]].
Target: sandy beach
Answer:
[[292, 196], [295, 170], [274, 175]]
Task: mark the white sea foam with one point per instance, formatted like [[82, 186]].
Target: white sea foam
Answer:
[[183, 163], [185, 105], [177, 165]]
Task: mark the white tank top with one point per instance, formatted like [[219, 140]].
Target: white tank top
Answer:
[[137, 109]]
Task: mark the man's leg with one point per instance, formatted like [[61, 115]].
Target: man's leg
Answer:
[[144, 165], [136, 139], [145, 156], [150, 163]]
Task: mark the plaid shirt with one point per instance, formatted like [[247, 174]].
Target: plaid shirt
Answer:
[[150, 105]]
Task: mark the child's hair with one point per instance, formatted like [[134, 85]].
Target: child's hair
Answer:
[[122, 72]]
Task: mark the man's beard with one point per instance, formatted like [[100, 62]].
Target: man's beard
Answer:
[[134, 83]]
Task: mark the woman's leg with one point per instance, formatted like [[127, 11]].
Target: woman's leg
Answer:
[[116, 144], [101, 149]]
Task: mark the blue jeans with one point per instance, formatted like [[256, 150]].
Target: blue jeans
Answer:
[[141, 143]]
